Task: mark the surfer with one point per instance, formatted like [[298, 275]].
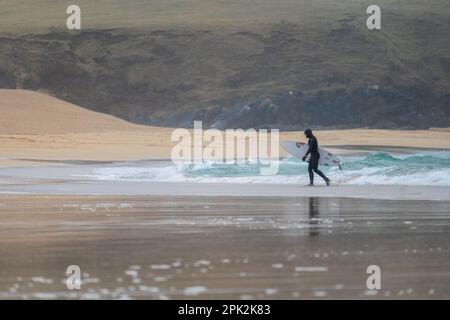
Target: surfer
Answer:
[[313, 165]]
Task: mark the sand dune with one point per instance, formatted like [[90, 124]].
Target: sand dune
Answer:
[[28, 112], [34, 126]]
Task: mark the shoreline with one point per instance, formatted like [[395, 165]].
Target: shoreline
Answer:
[[211, 189], [79, 177]]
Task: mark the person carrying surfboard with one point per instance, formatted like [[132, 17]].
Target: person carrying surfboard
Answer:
[[313, 164]]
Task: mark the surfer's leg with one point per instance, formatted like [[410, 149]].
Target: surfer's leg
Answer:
[[311, 174], [320, 173], [315, 167]]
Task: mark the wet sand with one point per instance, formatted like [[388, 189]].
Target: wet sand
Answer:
[[178, 247]]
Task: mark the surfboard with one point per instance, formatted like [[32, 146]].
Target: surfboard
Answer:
[[299, 149]]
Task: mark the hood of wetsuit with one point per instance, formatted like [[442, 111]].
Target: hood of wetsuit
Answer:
[[308, 133]]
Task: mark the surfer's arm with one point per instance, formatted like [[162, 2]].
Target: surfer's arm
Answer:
[[312, 145], [309, 150]]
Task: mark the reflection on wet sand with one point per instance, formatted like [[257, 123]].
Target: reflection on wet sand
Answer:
[[159, 247], [313, 216]]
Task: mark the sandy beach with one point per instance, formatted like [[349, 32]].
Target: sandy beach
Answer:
[[76, 189]]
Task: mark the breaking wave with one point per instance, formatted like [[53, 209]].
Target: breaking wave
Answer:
[[379, 168]]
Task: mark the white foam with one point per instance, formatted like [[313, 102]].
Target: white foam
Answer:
[[194, 291], [160, 266], [310, 269], [396, 172]]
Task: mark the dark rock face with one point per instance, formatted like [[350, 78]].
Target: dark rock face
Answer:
[[282, 76], [383, 108]]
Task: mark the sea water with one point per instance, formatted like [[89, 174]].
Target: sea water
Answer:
[[380, 168]]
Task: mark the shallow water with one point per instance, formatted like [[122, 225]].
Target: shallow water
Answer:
[[222, 247]]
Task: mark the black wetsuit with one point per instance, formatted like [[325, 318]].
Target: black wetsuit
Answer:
[[313, 164]]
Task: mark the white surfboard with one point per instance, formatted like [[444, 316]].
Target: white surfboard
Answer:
[[299, 149]]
